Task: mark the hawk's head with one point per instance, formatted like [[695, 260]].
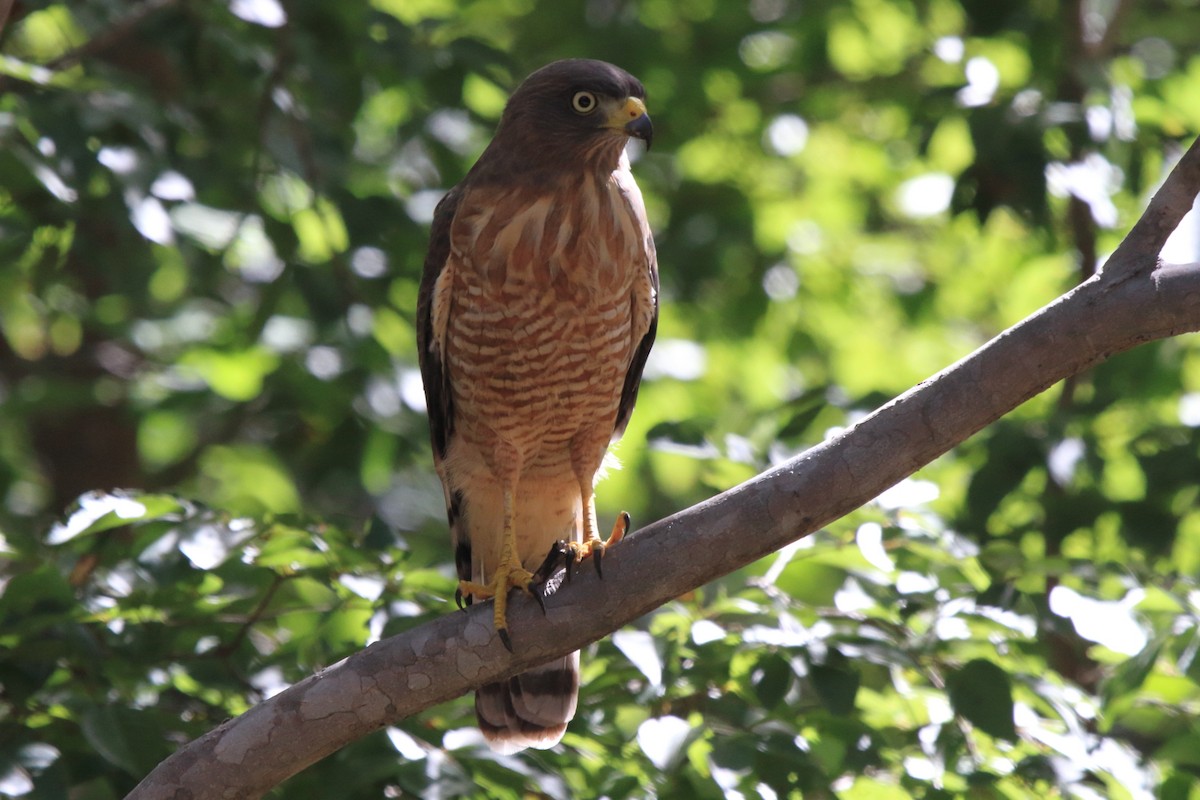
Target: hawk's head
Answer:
[[575, 110]]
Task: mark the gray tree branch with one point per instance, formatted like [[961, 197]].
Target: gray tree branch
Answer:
[[1132, 301]]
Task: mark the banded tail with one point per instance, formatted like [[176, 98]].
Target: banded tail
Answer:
[[531, 709]]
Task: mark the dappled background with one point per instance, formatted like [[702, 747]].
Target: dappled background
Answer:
[[212, 223]]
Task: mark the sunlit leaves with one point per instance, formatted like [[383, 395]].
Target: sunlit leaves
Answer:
[[412, 12], [320, 231], [662, 738], [871, 38], [483, 97], [212, 232], [101, 511], [48, 33], [237, 376]]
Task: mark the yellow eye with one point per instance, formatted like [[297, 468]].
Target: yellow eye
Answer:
[[583, 102]]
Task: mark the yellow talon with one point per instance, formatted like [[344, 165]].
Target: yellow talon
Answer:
[[595, 546], [509, 574]]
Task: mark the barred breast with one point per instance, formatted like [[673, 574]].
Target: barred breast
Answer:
[[542, 330]]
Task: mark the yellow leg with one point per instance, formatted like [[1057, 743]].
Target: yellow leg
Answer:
[[592, 544], [509, 573]]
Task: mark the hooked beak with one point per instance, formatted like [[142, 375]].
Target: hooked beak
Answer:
[[632, 120]]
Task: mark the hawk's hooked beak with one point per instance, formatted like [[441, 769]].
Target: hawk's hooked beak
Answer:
[[631, 119]]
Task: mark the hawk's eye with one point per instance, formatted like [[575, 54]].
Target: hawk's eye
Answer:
[[583, 102]]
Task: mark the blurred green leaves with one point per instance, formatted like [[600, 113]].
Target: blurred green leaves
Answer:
[[981, 693], [214, 465]]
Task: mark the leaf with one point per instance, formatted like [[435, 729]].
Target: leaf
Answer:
[[642, 651], [1132, 673], [771, 679], [627, 786], [735, 752], [661, 738], [235, 375], [43, 592], [123, 737], [689, 437], [981, 692], [811, 582], [1176, 787], [101, 511], [346, 628], [836, 683], [802, 411]]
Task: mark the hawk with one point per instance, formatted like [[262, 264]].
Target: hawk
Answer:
[[537, 309]]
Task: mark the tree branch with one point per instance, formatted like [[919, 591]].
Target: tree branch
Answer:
[[1128, 303]]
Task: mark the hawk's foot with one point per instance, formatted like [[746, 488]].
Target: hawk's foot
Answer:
[[595, 547], [508, 575]]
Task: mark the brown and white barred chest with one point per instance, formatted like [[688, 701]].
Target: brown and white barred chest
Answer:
[[542, 330]]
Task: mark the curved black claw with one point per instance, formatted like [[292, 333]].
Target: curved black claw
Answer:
[[507, 642], [560, 552], [538, 594], [458, 600], [619, 531], [548, 576]]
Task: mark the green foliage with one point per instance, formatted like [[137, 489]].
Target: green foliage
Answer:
[[214, 469]]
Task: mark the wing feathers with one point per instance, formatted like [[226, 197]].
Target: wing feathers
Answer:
[[633, 377], [432, 313], [645, 318]]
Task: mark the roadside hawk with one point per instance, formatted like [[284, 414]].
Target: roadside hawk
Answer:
[[537, 310]]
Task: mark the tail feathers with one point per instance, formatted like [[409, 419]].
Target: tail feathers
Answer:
[[531, 709]]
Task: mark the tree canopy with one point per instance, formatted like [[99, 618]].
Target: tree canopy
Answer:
[[215, 476]]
